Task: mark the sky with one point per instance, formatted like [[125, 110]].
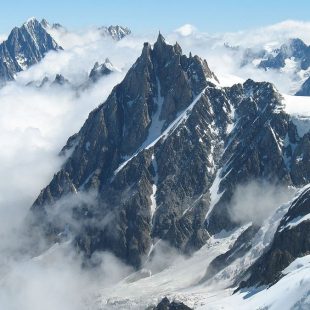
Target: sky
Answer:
[[150, 15]]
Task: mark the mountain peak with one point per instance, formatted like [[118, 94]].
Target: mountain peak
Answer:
[[60, 80], [160, 38], [31, 19], [100, 70], [24, 47], [116, 32], [31, 22], [159, 87]]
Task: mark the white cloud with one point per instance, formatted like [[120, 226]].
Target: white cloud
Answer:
[[3, 37], [186, 30], [226, 62], [36, 122], [56, 280], [34, 125], [256, 201]]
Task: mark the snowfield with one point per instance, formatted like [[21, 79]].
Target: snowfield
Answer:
[[182, 279]]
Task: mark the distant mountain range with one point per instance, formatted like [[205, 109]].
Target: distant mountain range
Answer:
[[294, 50], [294, 55], [116, 32], [24, 47], [28, 44], [96, 73]]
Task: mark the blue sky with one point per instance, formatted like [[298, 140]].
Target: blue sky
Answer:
[[150, 15]]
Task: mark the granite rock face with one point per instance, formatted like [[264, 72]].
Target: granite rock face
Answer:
[[291, 240], [261, 146], [161, 158], [24, 47]]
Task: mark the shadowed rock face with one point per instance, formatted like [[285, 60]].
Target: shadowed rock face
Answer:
[[148, 162], [304, 89], [24, 47], [256, 148], [291, 240], [160, 85]]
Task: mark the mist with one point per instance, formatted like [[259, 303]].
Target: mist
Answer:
[[35, 124], [256, 201], [225, 62], [55, 280]]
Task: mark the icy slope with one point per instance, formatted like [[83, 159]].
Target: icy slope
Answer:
[[177, 281], [291, 292]]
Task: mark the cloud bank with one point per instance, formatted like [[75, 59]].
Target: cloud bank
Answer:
[[225, 62]]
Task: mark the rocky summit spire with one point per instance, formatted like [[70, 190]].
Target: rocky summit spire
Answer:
[[177, 48], [100, 70], [160, 38], [160, 42]]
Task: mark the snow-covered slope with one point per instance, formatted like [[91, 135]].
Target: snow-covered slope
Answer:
[[179, 281], [183, 279], [292, 292]]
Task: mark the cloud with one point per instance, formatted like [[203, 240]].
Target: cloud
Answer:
[[3, 37], [226, 61], [34, 125], [256, 201], [56, 280], [186, 30], [76, 62], [36, 122]]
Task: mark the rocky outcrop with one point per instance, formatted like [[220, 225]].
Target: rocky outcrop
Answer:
[[291, 240], [304, 89], [24, 47], [101, 70], [59, 80], [165, 304], [55, 26], [293, 50]]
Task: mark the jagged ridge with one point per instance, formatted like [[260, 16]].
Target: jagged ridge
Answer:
[[24, 47], [164, 154]]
